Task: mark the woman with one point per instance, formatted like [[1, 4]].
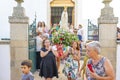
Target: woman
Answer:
[[45, 30], [98, 67], [39, 27], [72, 62], [48, 68]]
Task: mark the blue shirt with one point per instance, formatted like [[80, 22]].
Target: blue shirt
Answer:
[[28, 76]]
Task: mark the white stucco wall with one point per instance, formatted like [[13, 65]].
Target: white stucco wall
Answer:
[[4, 62], [41, 12], [79, 12], [118, 63]]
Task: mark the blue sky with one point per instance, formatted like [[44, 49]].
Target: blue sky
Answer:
[[90, 10]]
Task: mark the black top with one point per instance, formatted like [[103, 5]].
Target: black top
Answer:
[[48, 68]]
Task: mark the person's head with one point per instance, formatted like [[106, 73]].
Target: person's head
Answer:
[[65, 8], [26, 66], [39, 24], [75, 45], [44, 37], [46, 43], [80, 26], [87, 42], [39, 33], [54, 30], [93, 48]]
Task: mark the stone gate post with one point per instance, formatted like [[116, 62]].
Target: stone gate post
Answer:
[[107, 32], [19, 39]]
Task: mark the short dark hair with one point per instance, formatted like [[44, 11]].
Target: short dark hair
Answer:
[[27, 63]]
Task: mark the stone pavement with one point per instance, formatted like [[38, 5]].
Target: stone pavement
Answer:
[[61, 75]]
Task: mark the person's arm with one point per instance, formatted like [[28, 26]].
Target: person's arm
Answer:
[[108, 70], [83, 65], [118, 36], [66, 52], [55, 52], [77, 58], [43, 54]]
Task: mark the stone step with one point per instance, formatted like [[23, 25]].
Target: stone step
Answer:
[[83, 54]]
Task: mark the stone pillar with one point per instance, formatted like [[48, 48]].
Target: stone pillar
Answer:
[[107, 32], [19, 40]]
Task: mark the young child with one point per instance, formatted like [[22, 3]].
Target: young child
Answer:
[[26, 66]]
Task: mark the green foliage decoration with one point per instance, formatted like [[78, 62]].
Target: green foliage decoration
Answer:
[[64, 37]]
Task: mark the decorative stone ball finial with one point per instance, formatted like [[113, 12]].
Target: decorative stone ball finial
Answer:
[[19, 1], [107, 1]]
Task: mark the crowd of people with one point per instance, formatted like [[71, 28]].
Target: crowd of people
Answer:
[[95, 66]]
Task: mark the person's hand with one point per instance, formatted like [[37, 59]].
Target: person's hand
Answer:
[[50, 48], [75, 57], [79, 72], [94, 74]]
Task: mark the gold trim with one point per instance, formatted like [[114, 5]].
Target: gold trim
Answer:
[[61, 3], [73, 16]]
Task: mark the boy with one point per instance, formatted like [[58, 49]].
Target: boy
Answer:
[[26, 67]]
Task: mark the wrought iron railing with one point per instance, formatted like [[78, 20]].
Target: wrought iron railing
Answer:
[[93, 31]]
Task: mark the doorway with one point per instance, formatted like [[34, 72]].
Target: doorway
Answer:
[[56, 13]]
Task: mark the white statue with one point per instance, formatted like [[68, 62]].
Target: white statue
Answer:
[[64, 20]]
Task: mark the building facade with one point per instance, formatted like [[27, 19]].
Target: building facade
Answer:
[[53, 9]]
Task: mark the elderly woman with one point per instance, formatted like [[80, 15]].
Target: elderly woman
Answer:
[[98, 67]]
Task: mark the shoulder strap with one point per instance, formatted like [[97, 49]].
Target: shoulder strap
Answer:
[[103, 60]]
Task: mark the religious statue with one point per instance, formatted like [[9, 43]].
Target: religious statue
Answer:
[[64, 20]]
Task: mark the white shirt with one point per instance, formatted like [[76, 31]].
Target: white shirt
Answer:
[[80, 31], [54, 47], [40, 29], [38, 43]]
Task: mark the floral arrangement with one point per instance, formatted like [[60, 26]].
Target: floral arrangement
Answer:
[[63, 37]]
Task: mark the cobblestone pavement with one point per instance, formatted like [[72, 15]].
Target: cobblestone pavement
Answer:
[[61, 76]]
